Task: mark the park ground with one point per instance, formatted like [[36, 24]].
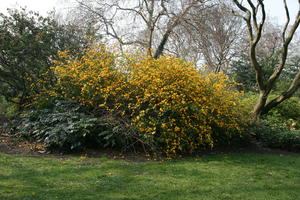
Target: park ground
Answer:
[[250, 173]]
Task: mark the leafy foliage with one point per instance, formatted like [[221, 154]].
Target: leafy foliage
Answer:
[[7, 109], [289, 109], [28, 43], [66, 126], [280, 127], [167, 100], [278, 137], [62, 127], [244, 73]]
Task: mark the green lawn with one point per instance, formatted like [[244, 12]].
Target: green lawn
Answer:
[[233, 176]]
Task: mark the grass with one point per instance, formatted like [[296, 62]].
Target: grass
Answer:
[[227, 177]]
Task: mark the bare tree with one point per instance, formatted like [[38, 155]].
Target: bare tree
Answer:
[[144, 23], [254, 15], [208, 36], [219, 34]]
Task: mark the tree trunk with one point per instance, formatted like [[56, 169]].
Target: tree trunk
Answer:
[[162, 44], [260, 105]]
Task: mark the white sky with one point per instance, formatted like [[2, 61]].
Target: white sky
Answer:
[[274, 8], [43, 6]]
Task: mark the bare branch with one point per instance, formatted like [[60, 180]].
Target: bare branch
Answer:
[[135, 11], [241, 7], [287, 20], [286, 43], [173, 22], [254, 14]]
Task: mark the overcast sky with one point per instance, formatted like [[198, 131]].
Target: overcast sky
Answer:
[[43, 6], [273, 7]]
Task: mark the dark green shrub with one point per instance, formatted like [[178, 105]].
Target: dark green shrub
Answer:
[[290, 109], [7, 109], [276, 121], [65, 127], [281, 138], [279, 128], [29, 42], [290, 140]]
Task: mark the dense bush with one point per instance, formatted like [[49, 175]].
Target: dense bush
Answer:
[[290, 109], [7, 109], [280, 127], [63, 127], [183, 109], [277, 137], [66, 127], [167, 100]]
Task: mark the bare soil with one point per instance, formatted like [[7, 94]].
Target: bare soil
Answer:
[[13, 145]]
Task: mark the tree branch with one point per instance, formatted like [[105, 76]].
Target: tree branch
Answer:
[[287, 20], [283, 58], [285, 95]]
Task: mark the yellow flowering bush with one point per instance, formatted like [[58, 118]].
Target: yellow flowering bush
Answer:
[[183, 109], [166, 99], [92, 79]]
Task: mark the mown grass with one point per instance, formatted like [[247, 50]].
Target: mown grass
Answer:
[[228, 177]]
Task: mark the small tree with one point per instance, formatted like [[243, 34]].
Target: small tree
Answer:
[[255, 16]]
